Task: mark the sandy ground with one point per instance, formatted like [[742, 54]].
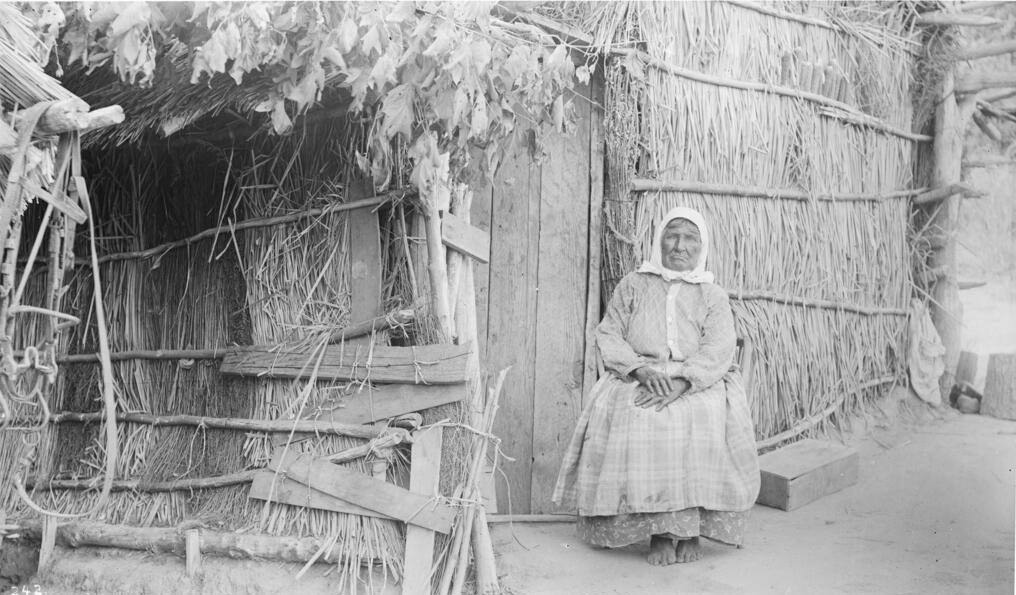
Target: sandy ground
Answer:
[[932, 513]]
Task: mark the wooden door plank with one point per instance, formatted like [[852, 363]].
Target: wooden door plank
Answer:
[[511, 314], [422, 364], [424, 476], [383, 401], [561, 311], [480, 216], [459, 235], [596, 164], [365, 491], [268, 485], [364, 239]]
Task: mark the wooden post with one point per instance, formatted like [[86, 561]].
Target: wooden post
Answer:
[[483, 548], [437, 270], [424, 475], [49, 527], [1000, 387], [946, 309], [596, 157], [966, 371], [192, 546]]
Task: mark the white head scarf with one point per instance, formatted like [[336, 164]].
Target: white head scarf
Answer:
[[655, 263]]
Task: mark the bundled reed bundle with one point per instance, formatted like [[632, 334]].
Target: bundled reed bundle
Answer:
[[808, 209]]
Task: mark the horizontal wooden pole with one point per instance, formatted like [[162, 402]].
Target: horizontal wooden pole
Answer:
[[564, 32], [152, 354], [228, 423], [813, 420], [352, 331], [990, 162], [937, 194], [137, 485], [791, 92], [973, 82], [986, 50], [171, 540], [531, 518], [645, 185], [787, 16], [255, 223], [423, 364], [813, 303], [866, 121], [979, 5], [955, 19], [378, 323]]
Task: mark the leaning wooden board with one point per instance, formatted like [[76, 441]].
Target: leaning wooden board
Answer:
[[362, 490], [805, 471], [424, 364], [276, 487], [384, 401]]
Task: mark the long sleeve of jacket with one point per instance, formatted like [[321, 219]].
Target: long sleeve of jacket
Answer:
[[617, 354], [716, 345]]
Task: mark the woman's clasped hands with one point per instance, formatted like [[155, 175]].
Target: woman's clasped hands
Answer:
[[661, 389]]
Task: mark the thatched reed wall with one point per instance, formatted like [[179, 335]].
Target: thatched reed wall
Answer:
[[280, 283], [701, 112]]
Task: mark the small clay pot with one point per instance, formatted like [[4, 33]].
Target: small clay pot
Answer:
[[967, 404]]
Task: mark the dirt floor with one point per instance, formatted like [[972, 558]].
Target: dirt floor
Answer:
[[933, 512]]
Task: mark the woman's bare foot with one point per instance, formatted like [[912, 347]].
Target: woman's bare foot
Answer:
[[688, 550], [661, 551]]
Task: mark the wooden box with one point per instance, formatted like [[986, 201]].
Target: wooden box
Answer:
[[805, 471]]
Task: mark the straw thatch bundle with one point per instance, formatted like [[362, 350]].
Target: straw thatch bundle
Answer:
[[777, 249]]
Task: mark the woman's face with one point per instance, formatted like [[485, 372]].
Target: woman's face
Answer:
[[681, 245]]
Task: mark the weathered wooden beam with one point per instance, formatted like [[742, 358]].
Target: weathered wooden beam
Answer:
[[972, 82], [946, 309], [955, 19], [424, 364], [276, 487], [386, 498], [983, 51], [384, 401], [424, 477], [462, 237], [172, 540], [937, 194], [71, 115]]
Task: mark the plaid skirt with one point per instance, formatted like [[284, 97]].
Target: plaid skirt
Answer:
[[697, 453]]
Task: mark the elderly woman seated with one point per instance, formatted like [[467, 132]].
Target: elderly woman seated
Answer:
[[665, 448]]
